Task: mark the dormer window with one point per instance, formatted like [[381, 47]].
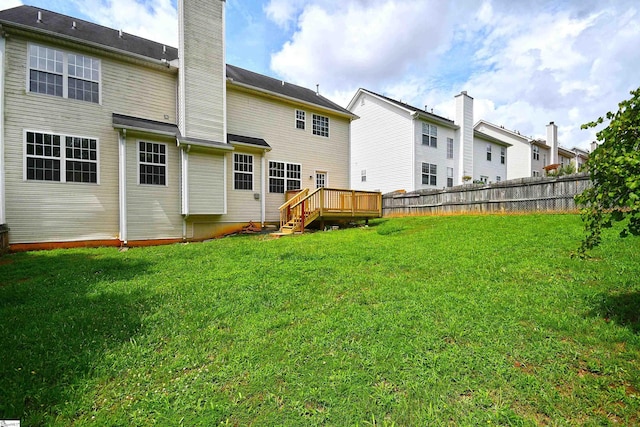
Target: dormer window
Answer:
[[67, 75]]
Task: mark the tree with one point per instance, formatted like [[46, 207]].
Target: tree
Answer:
[[614, 168]]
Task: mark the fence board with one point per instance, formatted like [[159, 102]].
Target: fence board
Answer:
[[548, 194]]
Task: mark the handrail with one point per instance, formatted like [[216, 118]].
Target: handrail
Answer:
[[305, 207]]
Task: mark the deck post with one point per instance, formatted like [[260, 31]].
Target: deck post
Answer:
[[302, 219]]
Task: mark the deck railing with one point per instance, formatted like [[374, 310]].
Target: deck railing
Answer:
[[305, 207]]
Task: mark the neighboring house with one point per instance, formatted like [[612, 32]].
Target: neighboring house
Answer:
[[108, 138], [395, 146]]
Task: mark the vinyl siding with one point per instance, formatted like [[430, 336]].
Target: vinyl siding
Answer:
[[381, 144], [518, 154], [40, 211], [241, 204], [483, 167], [153, 211], [433, 155], [273, 120], [203, 69], [206, 183]]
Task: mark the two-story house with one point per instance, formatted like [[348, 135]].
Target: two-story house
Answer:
[[109, 138], [396, 146]]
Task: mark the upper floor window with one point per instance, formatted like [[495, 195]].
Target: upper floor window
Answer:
[[320, 125], [536, 152], [67, 75], [152, 163], [429, 174], [242, 171], [300, 119], [489, 152], [61, 158], [449, 148], [503, 155], [429, 135]]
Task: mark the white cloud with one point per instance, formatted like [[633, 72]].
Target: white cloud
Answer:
[[526, 63], [8, 4]]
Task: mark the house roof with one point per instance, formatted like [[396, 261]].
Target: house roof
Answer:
[[501, 129], [491, 138], [84, 32], [240, 76], [414, 110], [120, 121], [52, 23], [247, 140]]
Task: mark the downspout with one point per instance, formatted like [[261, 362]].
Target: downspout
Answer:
[[263, 191], [184, 164], [414, 183], [3, 214], [122, 186]]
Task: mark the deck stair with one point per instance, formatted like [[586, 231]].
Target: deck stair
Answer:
[[308, 206]]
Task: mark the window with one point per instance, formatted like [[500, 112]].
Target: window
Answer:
[[242, 172], [284, 176], [449, 148], [503, 155], [363, 175], [489, 152], [321, 179], [429, 135], [48, 160], [50, 69], [152, 163], [484, 179], [429, 173], [320, 125], [498, 178], [536, 152], [536, 173], [449, 177], [300, 119]]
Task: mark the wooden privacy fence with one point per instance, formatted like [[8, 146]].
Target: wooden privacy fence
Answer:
[[549, 194]]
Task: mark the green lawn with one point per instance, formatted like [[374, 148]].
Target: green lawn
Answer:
[[462, 320]]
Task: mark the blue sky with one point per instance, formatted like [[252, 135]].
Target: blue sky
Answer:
[[525, 62]]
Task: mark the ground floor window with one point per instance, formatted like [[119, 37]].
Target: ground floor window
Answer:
[[242, 171], [429, 174], [449, 177], [152, 163], [284, 176], [61, 158]]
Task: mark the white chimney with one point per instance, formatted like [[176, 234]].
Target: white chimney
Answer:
[[594, 145], [552, 142], [463, 148], [202, 70]]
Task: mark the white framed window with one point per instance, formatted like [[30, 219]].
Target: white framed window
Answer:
[[536, 152], [498, 178], [321, 179], [284, 176], [484, 179], [488, 152], [63, 74], [449, 148], [300, 119], [363, 175], [449, 177], [61, 158], [321, 125], [536, 173], [503, 155], [429, 135], [429, 174], [242, 171], [152, 163]]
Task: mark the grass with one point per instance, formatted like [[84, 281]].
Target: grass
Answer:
[[461, 320]]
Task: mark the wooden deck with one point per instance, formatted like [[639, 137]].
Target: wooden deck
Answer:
[[326, 204]]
